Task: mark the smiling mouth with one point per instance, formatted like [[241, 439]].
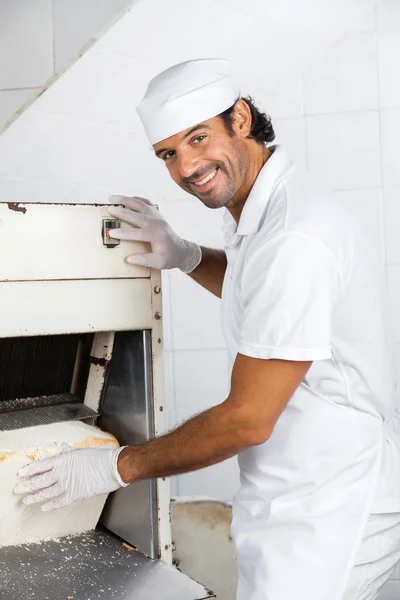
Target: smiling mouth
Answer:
[[206, 181]]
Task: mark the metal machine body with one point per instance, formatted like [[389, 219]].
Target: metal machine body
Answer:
[[81, 338]]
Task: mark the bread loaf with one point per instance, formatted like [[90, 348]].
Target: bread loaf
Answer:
[[22, 524]]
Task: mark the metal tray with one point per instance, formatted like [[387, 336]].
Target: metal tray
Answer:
[[93, 566]]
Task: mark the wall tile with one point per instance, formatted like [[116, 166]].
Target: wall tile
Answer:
[[193, 221], [44, 146], [201, 381], [346, 79], [367, 22], [392, 225], [283, 103], [368, 206], [91, 194], [10, 102], [76, 22], [219, 482], [195, 315], [390, 123], [343, 149], [14, 189], [130, 37], [389, 77], [176, 19], [22, 136], [102, 87], [171, 192], [294, 47], [393, 280], [26, 43], [174, 487], [388, 15], [274, 70], [291, 133], [323, 15]]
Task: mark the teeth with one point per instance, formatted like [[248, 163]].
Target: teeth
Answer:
[[206, 179]]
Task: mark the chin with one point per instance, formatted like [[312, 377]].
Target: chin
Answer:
[[215, 202]]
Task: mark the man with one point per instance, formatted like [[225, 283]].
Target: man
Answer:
[[310, 410]]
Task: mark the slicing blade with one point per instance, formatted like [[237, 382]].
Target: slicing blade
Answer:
[[45, 415]]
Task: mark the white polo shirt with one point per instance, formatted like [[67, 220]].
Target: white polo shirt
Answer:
[[303, 282]]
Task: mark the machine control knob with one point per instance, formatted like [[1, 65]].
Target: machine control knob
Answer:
[[108, 224]]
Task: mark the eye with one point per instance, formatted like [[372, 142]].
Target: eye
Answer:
[[168, 155], [199, 138]]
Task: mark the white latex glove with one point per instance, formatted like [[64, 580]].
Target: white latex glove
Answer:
[[169, 251], [71, 476]]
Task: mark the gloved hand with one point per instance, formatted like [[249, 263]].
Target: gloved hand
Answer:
[[71, 476], [169, 251]]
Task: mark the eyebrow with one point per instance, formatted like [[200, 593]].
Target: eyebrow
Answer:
[[189, 133]]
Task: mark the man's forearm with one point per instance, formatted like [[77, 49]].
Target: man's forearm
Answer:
[[208, 438], [210, 272]]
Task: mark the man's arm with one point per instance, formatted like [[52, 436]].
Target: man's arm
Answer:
[[210, 272], [260, 391]]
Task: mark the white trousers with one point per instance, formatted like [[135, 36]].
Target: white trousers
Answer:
[[377, 557]]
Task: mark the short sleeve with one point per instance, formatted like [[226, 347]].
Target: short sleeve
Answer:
[[289, 287]]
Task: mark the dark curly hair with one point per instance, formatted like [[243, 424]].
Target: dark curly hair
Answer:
[[261, 127]]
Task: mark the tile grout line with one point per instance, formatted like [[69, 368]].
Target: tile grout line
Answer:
[[53, 37], [303, 109], [382, 201], [19, 89]]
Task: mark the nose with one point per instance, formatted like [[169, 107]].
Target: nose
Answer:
[[188, 164]]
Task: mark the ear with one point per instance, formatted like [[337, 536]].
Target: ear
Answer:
[[242, 119]]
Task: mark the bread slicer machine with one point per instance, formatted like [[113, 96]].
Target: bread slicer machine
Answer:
[[81, 338]]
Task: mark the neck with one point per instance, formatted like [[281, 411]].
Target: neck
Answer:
[[258, 157]]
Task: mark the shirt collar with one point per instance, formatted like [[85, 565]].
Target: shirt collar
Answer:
[[272, 172]]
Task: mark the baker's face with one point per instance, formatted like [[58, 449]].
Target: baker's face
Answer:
[[207, 161]]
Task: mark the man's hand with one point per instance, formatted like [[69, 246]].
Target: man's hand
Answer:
[[169, 251], [72, 476]]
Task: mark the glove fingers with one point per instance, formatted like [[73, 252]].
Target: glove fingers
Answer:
[[55, 504], [129, 216], [148, 259], [46, 494], [135, 203], [66, 448], [33, 484], [134, 235], [37, 466], [145, 200]]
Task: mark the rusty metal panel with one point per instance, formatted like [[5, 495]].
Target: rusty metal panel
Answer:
[[48, 241], [56, 307]]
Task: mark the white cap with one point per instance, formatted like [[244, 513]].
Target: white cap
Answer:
[[185, 95]]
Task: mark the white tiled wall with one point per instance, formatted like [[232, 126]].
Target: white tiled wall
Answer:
[[38, 38], [82, 141], [75, 22], [25, 35]]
